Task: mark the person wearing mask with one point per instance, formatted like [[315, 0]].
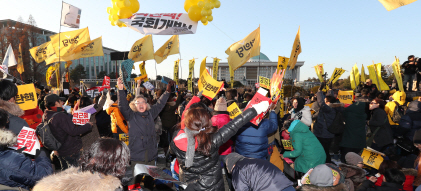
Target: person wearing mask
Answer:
[[142, 134], [409, 67], [118, 123], [399, 99], [256, 174], [8, 93], [393, 180], [196, 145], [300, 111], [101, 167], [372, 88], [381, 133], [65, 131], [17, 170]]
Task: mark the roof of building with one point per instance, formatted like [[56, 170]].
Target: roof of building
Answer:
[[262, 56]]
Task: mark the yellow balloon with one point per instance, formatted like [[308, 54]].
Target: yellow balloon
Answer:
[[212, 5], [206, 23], [109, 10], [208, 5], [217, 4], [124, 13], [189, 3], [114, 10], [204, 19], [210, 18], [204, 12], [195, 13], [115, 17], [119, 4], [209, 12], [200, 4], [112, 23], [134, 6], [126, 3]]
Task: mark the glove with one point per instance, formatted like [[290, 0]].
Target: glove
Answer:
[[200, 94], [322, 86], [330, 85], [170, 84], [261, 107]]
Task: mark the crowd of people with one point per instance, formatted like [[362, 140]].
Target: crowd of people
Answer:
[[315, 143]]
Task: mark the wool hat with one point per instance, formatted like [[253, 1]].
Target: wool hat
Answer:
[[292, 126], [231, 159], [324, 175], [353, 158], [417, 137], [221, 104]]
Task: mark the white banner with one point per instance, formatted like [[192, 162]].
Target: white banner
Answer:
[[27, 138], [70, 16], [161, 23]]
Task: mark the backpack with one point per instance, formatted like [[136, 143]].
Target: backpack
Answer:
[[398, 112], [338, 124], [46, 137]]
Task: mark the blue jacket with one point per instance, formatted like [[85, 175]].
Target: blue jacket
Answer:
[[252, 141], [17, 170], [411, 121], [325, 117]]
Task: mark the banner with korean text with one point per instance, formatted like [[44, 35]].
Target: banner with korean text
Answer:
[[26, 97], [27, 138], [209, 86]]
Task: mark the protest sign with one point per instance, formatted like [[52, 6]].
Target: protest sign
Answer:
[[264, 82], [233, 110], [346, 96], [81, 118], [27, 97], [148, 86], [27, 138], [208, 85], [372, 158], [257, 98], [287, 144], [88, 109], [161, 23], [123, 137]]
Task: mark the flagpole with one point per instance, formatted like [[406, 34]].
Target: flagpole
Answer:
[[59, 31]]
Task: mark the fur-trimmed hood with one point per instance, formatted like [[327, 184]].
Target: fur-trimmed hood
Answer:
[[73, 180], [409, 171], [310, 187], [12, 108], [351, 170], [7, 138]]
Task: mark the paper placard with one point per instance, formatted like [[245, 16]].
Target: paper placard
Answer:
[[257, 98], [27, 138], [372, 158], [27, 97], [208, 85], [148, 86], [66, 91], [81, 118], [123, 137], [346, 96], [264, 82], [233, 110], [287, 144]]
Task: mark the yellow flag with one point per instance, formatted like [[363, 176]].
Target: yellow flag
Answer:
[[68, 41], [231, 76], [176, 64], [169, 48], [354, 77], [20, 61], [296, 50], [233, 110], [362, 73], [240, 52], [68, 63], [203, 65], [346, 96], [209, 86], [393, 4], [374, 72], [189, 79], [48, 74], [41, 52], [215, 68], [282, 63], [143, 70], [337, 73], [319, 71], [142, 49], [397, 71]]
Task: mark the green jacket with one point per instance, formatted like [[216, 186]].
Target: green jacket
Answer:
[[307, 149], [354, 133]]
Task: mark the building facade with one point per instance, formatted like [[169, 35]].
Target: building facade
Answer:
[[249, 73]]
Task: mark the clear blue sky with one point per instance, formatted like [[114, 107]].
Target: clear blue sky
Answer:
[[337, 33]]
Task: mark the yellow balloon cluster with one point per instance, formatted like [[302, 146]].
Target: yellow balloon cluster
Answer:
[[121, 9], [201, 10]]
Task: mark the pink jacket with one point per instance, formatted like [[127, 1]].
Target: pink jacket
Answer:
[[219, 121]]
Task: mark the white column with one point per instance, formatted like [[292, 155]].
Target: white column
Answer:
[[94, 66]]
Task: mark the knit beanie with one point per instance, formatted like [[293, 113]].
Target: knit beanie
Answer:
[[231, 159], [324, 175], [353, 158], [221, 104], [417, 137]]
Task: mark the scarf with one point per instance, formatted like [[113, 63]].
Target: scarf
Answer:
[[190, 145], [57, 109]]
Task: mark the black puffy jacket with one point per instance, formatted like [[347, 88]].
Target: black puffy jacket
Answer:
[[411, 121], [206, 173]]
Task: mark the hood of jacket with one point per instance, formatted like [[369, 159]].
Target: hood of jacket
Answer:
[[72, 179], [409, 172], [12, 108], [350, 170], [310, 187], [220, 120], [400, 97], [414, 106], [299, 127], [7, 138]]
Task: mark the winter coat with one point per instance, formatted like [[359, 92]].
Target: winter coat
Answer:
[[206, 172], [118, 123], [409, 68], [73, 179], [142, 133], [258, 174], [411, 121], [219, 120], [399, 97], [33, 117], [307, 149], [353, 173], [66, 132], [310, 187], [17, 170], [304, 115], [354, 135], [103, 122], [367, 185], [326, 116], [410, 175], [168, 116], [91, 136], [372, 90], [379, 119], [15, 122], [252, 141]]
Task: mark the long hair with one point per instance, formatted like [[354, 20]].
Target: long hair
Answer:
[[85, 101], [197, 119], [107, 156]]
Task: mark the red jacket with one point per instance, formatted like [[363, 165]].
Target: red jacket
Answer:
[[219, 121], [33, 117]]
